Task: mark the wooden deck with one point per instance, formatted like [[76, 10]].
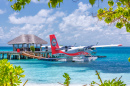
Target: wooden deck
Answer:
[[22, 54], [32, 55]]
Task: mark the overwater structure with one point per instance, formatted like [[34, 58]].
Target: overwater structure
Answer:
[[23, 43]]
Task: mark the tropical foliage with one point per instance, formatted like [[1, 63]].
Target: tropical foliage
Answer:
[[129, 59], [19, 4], [32, 48], [67, 79], [54, 3], [112, 82], [120, 15], [10, 75]]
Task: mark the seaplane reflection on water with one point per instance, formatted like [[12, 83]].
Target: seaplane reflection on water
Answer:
[[81, 53]]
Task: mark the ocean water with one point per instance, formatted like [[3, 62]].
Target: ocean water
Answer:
[[48, 72]]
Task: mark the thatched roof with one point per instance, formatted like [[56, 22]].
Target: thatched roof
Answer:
[[27, 39]]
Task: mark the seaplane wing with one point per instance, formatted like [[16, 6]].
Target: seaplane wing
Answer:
[[112, 45]]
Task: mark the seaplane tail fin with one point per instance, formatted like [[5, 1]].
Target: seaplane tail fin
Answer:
[[54, 44]]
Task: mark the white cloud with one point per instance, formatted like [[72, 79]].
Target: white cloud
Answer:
[[2, 12], [42, 17], [83, 7], [44, 13], [79, 19], [59, 14], [40, 24], [41, 1], [16, 31], [78, 27], [83, 29]]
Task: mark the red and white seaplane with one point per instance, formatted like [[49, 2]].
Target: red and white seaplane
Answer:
[[73, 53]]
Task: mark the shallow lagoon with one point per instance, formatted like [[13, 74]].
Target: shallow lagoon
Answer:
[[46, 72]]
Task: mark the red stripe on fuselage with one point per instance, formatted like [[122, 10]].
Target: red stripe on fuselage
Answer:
[[74, 54]]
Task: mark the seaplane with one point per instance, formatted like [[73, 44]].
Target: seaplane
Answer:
[[80, 53]]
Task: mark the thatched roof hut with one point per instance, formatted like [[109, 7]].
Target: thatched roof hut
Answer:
[[27, 39]]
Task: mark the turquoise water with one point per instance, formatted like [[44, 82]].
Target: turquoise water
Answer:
[[46, 72]]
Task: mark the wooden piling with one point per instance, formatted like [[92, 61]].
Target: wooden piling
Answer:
[[45, 55], [18, 57], [51, 54], [13, 56], [26, 57], [7, 56], [10, 56], [2, 56]]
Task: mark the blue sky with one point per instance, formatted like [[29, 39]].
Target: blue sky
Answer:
[[71, 23]]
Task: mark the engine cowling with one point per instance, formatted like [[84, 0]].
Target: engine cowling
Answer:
[[66, 48]]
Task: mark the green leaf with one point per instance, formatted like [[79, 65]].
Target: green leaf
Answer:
[[127, 27], [126, 13], [49, 4], [118, 4], [32, 48], [110, 3], [119, 25], [67, 78], [100, 11], [92, 2], [10, 75], [108, 20]]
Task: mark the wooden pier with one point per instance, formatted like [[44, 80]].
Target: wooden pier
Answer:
[[23, 55]]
